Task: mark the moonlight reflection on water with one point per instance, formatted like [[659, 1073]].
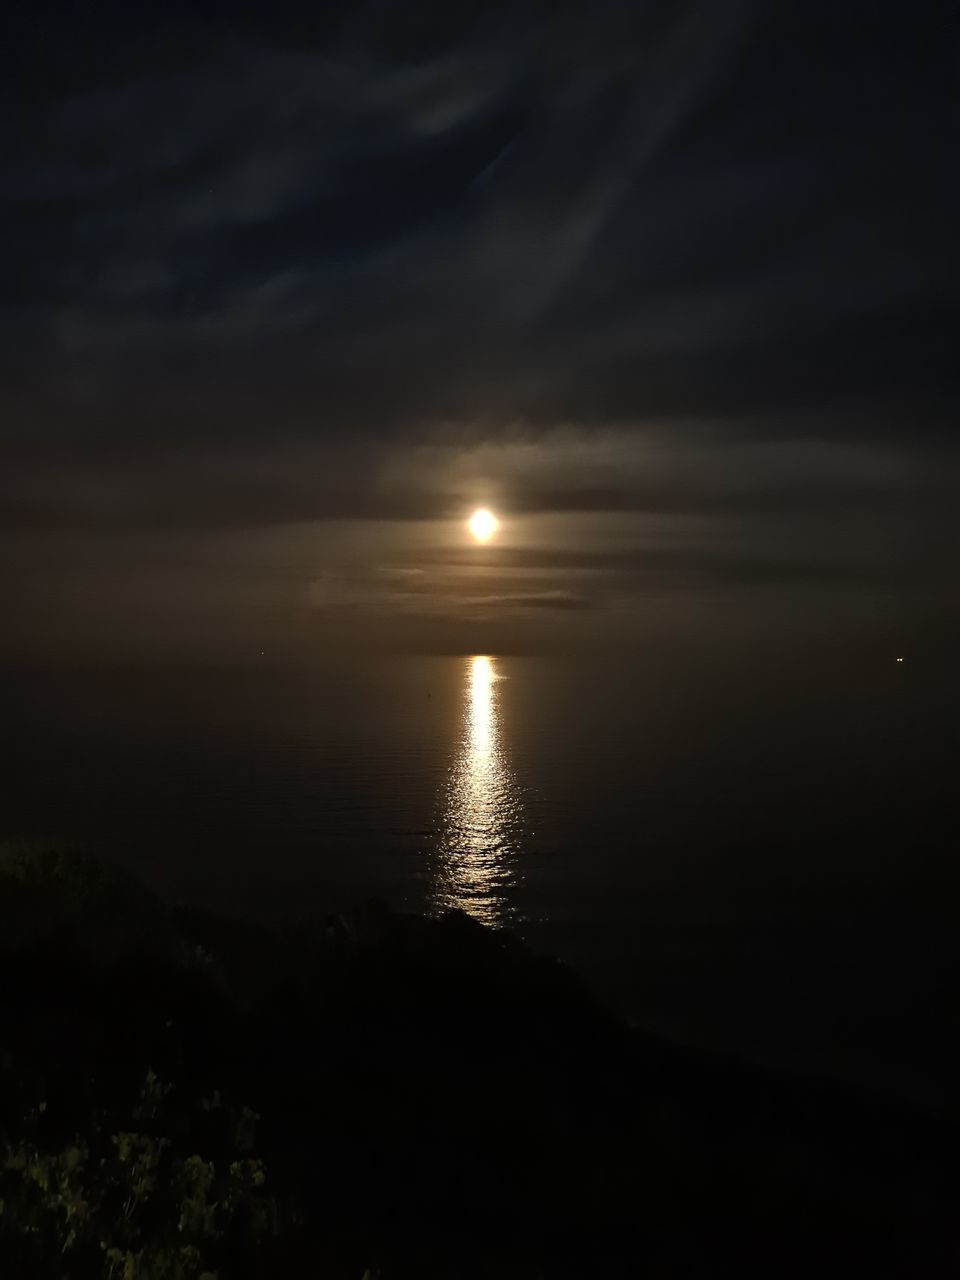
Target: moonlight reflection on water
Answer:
[[482, 815]]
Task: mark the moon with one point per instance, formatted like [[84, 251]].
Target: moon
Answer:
[[483, 524]]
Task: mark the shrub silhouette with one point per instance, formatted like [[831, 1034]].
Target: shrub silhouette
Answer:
[[132, 1204]]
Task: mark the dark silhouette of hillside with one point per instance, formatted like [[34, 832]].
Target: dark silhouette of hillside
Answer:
[[409, 1097]]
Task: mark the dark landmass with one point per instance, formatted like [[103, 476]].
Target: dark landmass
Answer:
[[183, 1094]]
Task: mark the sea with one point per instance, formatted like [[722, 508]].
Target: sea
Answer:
[[758, 858]]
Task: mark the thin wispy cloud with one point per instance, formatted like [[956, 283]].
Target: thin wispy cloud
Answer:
[[681, 263]]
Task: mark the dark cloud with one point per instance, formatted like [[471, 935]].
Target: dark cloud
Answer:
[[677, 568], [271, 265]]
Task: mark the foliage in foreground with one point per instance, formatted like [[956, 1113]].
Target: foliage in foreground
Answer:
[[436, 1099], [129, 1204]]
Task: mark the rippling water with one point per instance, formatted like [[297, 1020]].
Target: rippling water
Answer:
[[482, 827], [745, 855]]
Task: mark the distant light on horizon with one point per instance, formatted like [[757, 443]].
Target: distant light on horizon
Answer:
[[899, 659], [483, 524]]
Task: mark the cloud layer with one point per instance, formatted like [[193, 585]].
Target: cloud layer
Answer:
[[686, 273]]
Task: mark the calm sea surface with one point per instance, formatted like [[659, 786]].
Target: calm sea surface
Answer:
[[762, 860]]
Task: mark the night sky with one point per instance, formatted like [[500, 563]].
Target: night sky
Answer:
[[287, 291]]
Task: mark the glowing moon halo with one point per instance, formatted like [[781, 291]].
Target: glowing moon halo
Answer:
[[483, 524]]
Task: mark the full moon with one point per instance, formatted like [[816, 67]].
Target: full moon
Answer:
[[483, 525]]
